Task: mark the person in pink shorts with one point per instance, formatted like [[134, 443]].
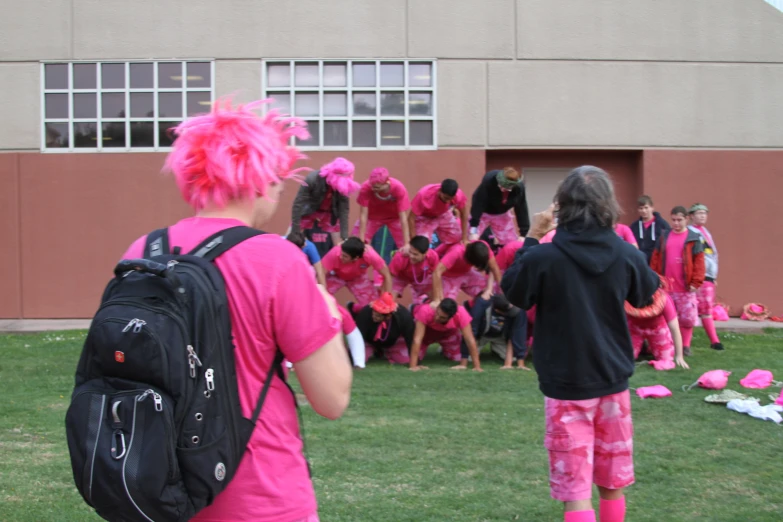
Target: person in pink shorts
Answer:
[[387, 328], [414, 267], [267, 294], [347, 265], [383, 201], [579, 284], [705, 296], [500, 203], [431, 211], [470, 268], [446, 324]]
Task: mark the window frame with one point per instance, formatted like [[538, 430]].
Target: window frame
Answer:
[[127, 90], [349, 89]]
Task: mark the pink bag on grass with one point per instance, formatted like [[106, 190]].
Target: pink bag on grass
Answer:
[[712, 380], [719, 313], [662, 365], [655, 392], [757, 379]]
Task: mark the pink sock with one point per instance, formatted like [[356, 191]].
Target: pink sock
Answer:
[[709, 327], [687, 335], [613, 510], [580, 516]]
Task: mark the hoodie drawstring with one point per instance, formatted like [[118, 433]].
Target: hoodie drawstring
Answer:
[[653, 229]]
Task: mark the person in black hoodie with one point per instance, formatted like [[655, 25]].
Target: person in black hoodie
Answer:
[[649, 227], [500, 191], [584, 357]]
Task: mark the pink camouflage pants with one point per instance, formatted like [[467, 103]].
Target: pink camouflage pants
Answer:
[[659, 339], [589, 441], [472, 283], [687, 308], [447, 226], [705, 299], [449, 343], [420, 291], [395, 354], [395, 229], [502, 226], [361, 288]]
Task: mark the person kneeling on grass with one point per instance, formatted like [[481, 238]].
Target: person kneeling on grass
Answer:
[[387, 327], [579, 284], [446, 324]]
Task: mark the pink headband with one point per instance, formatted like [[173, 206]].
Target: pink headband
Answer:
[[379, 176]]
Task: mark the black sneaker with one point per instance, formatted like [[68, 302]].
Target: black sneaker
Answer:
[[686, 351], [717, 346]]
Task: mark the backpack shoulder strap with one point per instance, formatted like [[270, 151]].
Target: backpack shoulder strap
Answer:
[[220, 242], [157, 243]]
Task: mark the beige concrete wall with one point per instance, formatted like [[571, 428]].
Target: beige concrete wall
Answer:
[[20, 106], [35, 30], [240, 78], [462, 103]]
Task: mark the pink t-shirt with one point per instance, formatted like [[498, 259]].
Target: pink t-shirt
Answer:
[[648, 224], [427, 203], [270, 291], [402, 268], [675, 270], [624, 231], [669, 313], [356, 268], [506, 255], [424, 313], [548, 236], [384, 207], [453, 258]]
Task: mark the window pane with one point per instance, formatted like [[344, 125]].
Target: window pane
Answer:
[[85, 135], [56, 76], [57, 135], [336, 133], [420, 103], [113, 75], [199, 74], [56, 106], [364, 104], [281, 101], [85, 105], [392, 74], [364, 134], [421, 133], [392, 133], [166, 133], [363, 74], [141, 105], [392, 104], [85, 76], [199, 103], [170, 105], [170, 75], [314, 141], [336, 104], [306, 104], [306, 75], [278, 75], [335, 75], [113, 105], [114, 134], [419, 74], [142, 134], [141, 76]]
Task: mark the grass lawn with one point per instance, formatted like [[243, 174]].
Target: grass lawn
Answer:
[[441, 445]]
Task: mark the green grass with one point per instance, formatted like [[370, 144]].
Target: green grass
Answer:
[[440, 445]]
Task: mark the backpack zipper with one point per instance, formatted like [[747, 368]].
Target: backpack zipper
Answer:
[[125, 462], [95, 447]]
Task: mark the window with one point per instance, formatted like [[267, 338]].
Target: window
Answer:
[[120, 106], [357, 104]]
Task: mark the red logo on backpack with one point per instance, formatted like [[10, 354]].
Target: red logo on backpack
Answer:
[[119, 356]]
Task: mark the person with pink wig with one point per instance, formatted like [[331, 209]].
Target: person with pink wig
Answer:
[[383, 201], [230, 165], [431, 211], [324, 199]]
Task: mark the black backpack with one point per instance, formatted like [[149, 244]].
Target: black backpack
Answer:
[[155, 429]]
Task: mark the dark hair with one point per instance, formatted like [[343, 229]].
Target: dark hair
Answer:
[[644, 200], [449, 187], [420, 243], [449, 307], [586, 197], [477, 254], [296, 238], [353, 246], [679, 209]]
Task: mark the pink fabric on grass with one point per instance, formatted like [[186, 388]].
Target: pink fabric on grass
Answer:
[[758, 379], [719, 313], [657, 391], [714, 379]]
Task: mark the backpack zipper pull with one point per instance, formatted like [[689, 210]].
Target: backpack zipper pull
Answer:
[[193, 361], [158, 401], [131, 324], [139, 325], [210, 376]]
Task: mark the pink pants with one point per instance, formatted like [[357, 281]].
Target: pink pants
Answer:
[[323, 218], [705, 299], [472, 283], [687, 308], [394, 225], [447, 226], [419, 290], [589, 441], [449, 343], [658, 337], [502, 226], [396, 354], [361, 288]]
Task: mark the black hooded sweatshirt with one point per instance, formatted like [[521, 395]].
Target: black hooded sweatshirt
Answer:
[[579, 284], [489, 199], [646, 238]]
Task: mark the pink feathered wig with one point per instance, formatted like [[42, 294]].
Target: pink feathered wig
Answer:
[[233, 154], [379, 176], [339, 176]]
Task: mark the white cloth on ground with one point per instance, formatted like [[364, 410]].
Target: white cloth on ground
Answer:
[[754, 409]]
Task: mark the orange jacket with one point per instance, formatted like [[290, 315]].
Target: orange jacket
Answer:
[[693, 258]]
